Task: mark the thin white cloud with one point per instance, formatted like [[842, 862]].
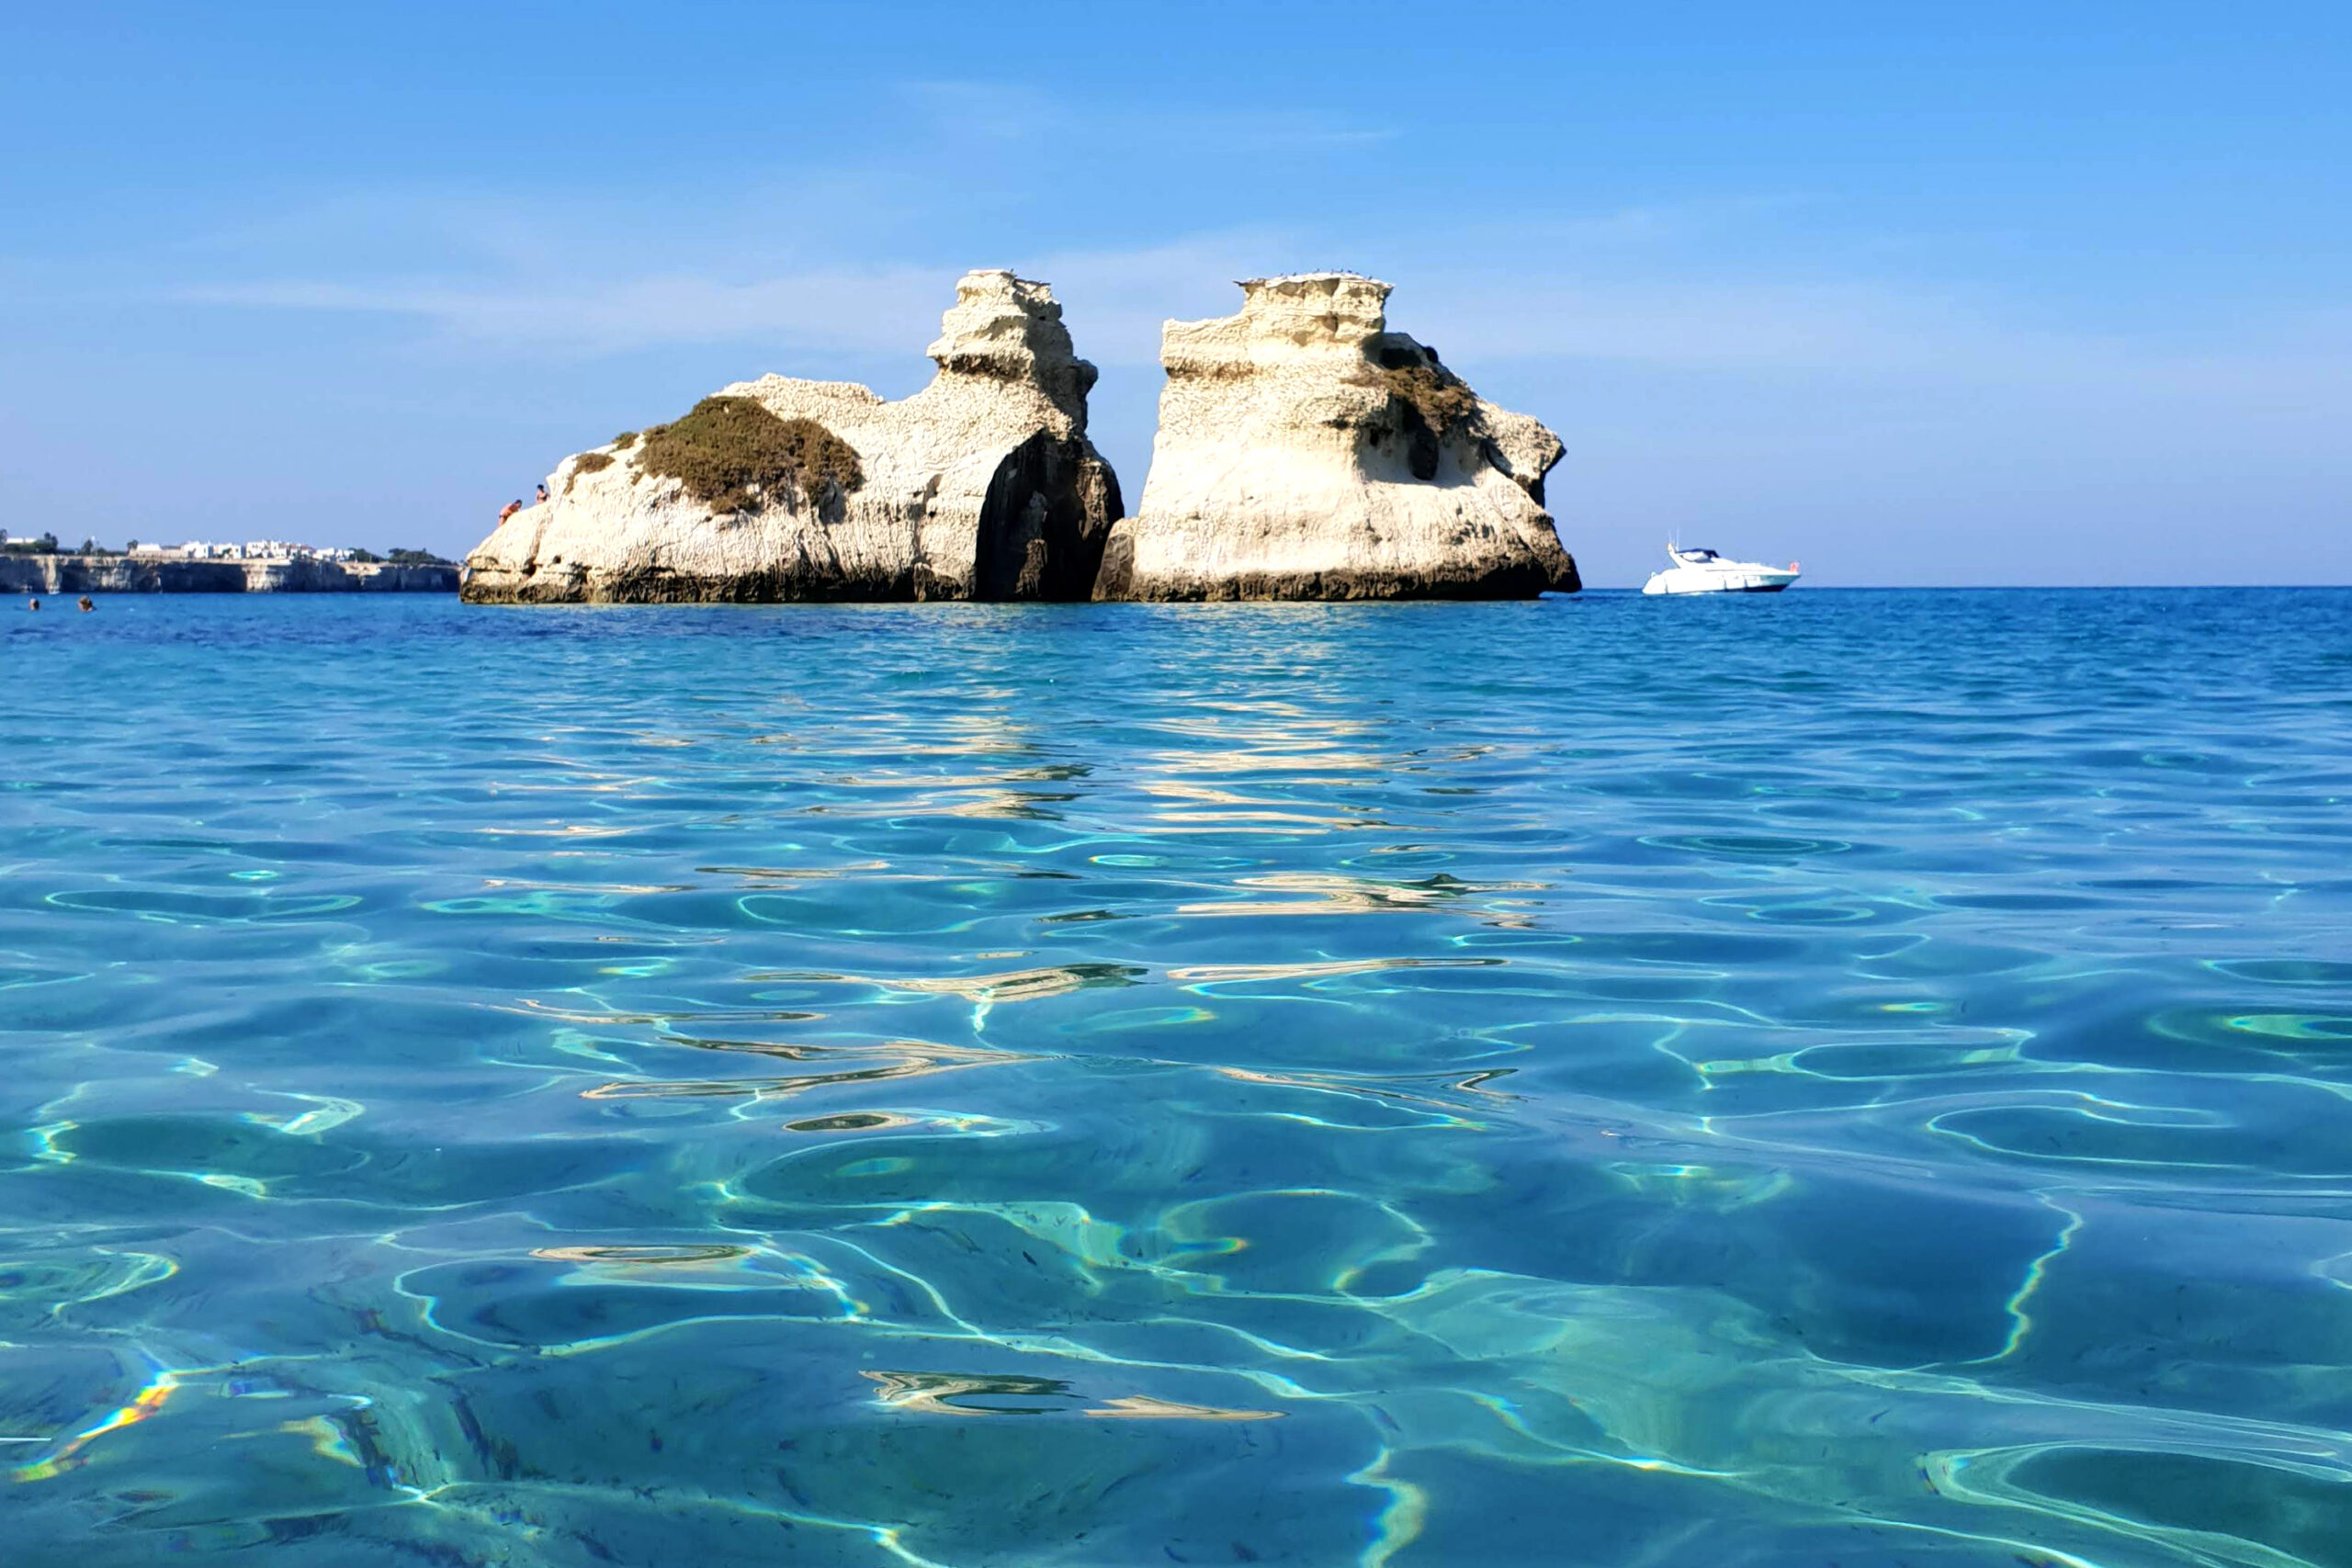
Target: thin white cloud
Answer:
[[879, 311], [989, 111], [1011, 113], [1644, 286], [1117, 301]]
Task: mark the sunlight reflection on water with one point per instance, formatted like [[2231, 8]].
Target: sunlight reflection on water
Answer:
[[1853, 1077]]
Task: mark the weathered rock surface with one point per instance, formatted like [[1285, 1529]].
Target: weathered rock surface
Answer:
[[1306, 452], [981, 486], [150, 574]]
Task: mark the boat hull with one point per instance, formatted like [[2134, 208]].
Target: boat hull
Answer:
[[1717, 582]]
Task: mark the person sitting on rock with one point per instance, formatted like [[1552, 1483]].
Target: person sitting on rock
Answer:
[[512, 508], [542, 500]]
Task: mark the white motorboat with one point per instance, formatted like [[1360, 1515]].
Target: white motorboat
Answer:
[[1704, 571]]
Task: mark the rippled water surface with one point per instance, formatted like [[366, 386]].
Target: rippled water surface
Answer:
[[1849, 1077]]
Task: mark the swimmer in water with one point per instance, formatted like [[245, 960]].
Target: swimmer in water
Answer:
[[86, 605], [36, 604]]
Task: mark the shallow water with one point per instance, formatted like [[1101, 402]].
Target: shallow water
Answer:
[[1853, 1077]]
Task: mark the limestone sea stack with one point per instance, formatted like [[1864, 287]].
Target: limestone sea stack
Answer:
[[1306, 452], [981, 486]]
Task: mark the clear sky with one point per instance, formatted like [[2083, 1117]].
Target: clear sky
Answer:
[[1919, 293]]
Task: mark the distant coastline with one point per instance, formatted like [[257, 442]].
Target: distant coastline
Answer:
[[76, 573]]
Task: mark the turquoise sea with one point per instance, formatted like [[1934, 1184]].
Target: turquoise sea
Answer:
[[1849, 1077]]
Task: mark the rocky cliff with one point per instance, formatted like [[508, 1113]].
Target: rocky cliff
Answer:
[[151, 574], [1306, 452], [980, 486]]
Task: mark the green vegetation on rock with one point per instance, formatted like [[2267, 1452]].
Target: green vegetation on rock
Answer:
[[1442, 399], [732, 453], [587, 463], [625, 440]]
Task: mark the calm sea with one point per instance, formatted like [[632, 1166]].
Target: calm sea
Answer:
[[1852, 1078]]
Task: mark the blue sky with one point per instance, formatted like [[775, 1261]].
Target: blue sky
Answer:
[[1919, 293]]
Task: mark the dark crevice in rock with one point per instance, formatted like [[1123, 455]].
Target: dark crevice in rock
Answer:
[[1050, 509]]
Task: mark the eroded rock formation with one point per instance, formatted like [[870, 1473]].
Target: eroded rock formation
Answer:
[[980, 486], [1306, 452]]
